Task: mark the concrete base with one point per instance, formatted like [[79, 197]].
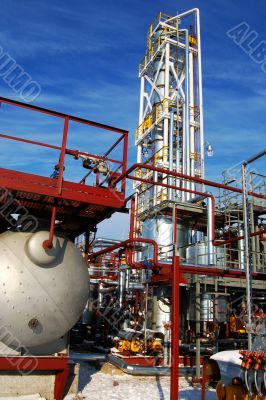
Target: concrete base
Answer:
[[14, 384]]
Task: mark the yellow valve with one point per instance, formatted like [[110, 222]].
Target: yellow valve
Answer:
[[126, 345], [157, 346], [192, 40], [135, 346]]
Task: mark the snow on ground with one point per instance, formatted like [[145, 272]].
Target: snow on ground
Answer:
[[29, 397], [96, 385], [114, 385], [231, 356]]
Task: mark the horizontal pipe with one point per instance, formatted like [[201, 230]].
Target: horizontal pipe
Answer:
[[216, 271], [104, 242], [138, 369], [101, 277], [201, 195], [128, 242], [184, 176], [136, 286], [255, 157], [237, 238], [145, 370], [74, 356]]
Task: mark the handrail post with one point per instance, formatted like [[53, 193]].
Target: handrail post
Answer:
[[124, 168], [62, 156]]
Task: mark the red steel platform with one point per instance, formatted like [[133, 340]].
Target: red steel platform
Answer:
[[78, 206]]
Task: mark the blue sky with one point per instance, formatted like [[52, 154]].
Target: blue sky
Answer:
[[85, 55]]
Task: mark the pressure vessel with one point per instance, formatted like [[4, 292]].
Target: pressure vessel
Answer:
[[43, 292]]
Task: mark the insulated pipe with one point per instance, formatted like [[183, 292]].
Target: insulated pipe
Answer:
[[188, 184], [171, 151], [121, 287], [184, 152], [166, 96], [73, 356], [141, 107], [100, 242], [138, 369], [136, 286], [191, 118], [241, 247], [197, 199], [184, 176], [210, 231], [144, 370], [197, 14], [206, 195], [200, 94]]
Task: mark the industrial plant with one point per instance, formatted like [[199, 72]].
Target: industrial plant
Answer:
[[189, 282]]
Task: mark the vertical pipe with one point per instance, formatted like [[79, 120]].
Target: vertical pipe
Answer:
[[197, 328], [247, 251], [187, 124], [141, 109], [200, 94], [253, 240], [184, 153], [132, 217], [166, 96], [241, 247], [191, 118], [174, 385], [210, 232], [141, 103], [171, 152], [48, 244], [146, 312], [155, 189], [177, 162]]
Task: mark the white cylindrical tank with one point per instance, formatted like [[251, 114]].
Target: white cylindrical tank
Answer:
[[43, 292], [160, 229], [197, 254]]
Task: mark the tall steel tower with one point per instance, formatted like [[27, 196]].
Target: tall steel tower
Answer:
[[170, 131]]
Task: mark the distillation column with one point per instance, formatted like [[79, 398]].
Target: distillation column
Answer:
[[169, 136], [170, 131]]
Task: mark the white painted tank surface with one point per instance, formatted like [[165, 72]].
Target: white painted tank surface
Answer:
[[43, 292]]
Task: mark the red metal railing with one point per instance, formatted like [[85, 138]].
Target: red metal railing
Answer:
[[121, 163]]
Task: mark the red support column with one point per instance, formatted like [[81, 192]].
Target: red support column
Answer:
[[203, 384], [175, 318], [175, 331], [60, 383]]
